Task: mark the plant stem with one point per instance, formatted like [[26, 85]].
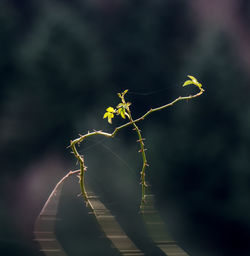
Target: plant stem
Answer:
[[80, 158], [144, 158], [57, 185], [83, 168]]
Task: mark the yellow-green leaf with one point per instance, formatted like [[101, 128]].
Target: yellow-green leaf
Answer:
[[193, 79], [105, 115], [125, 92], [188, 82], [110, 109], [123, 113], [109, 114], [110, 119], [120, 105]]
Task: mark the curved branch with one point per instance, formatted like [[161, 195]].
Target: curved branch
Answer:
[[80, 158]]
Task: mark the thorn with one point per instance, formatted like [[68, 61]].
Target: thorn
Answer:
[[78, 176], [141, 142], [97, 131], [141, 139], [134, 129], [69, 146], [143, 174]]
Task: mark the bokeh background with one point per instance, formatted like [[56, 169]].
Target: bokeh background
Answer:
[[61, 65]]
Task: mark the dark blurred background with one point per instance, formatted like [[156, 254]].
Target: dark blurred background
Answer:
[[61, 65]]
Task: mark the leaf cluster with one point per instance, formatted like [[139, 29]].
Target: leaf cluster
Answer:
[[121, 109], [193, 81]]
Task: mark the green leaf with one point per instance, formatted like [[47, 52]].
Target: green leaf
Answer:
[[120, 105], [110, 109], [110, 116], [188, 82], [193, 79], [123, 113], [125, 92], [105, 115]]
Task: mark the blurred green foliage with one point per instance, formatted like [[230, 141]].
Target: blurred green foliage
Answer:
[[62, 61]]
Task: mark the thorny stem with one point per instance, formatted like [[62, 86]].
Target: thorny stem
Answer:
[[80, 158], [144, 158], [83, 168]]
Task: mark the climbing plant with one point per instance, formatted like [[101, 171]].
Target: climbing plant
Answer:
[[123, 110]]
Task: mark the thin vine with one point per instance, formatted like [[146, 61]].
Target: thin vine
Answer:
[[123, 109]]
